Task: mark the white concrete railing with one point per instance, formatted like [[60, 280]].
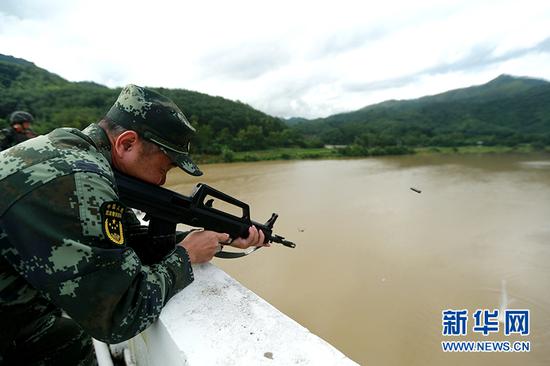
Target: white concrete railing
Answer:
[[217, 321]]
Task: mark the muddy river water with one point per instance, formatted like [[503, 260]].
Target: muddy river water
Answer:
[[376, 262]]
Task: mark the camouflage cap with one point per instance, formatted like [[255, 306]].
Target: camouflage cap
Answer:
[[158, 119], [20, 117]]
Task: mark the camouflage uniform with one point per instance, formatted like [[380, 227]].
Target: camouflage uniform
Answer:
[[10, 137], [18, 131], [64, 244]]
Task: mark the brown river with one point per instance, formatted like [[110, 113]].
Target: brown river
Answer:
[[376, 263]]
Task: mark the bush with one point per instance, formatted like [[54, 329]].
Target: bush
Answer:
[[249, 157], [228, 155], [354, 150], [390, 150]]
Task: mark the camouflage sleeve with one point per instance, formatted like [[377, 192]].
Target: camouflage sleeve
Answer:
[[60, 247]]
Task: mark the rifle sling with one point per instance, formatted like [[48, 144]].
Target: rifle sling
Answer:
[[232, 255]]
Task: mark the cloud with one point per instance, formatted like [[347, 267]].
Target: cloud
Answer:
[[479, 57], [347, 40], [244, 61], [286, 58], [484, 56], [543, 46], [30, 9]]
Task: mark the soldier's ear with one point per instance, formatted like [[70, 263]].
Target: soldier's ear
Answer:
[[126, 142]]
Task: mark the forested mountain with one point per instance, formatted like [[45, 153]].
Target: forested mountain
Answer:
[[506, 111], [57, 102]]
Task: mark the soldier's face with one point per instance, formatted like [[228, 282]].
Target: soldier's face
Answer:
[[140, 159], [152, 165]]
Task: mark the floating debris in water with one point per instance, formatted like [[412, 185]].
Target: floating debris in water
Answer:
[[416, 190]]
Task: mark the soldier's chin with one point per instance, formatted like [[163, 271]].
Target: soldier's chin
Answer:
[[162, 180], [156, 180]]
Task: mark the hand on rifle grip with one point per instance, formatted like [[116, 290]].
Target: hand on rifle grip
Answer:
[[255, 238], [201, 245]]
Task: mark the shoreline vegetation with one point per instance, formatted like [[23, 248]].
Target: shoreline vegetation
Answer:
[[343, 152]]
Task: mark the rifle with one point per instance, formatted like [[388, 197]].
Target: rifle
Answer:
[[172, 208]]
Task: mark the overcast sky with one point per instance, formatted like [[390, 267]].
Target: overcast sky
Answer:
[[286, 58]]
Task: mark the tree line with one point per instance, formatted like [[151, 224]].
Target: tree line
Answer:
[[507, 111], [222, 124]]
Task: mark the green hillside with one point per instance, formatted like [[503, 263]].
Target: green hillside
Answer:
[[505, 111], [56, 102]]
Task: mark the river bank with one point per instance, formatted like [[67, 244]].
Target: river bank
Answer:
[[229, 156]]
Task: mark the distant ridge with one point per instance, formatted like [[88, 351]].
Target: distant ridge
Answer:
[[15, 60], [506, 110], [501, 86]]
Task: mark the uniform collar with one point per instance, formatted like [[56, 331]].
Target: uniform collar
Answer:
[[99, 139]]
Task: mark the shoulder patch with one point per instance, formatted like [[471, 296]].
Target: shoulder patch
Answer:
[[111, 221]]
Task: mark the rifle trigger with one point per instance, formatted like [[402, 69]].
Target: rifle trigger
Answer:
[[209, 203]]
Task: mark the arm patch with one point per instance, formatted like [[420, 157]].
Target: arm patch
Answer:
[[111, 221]]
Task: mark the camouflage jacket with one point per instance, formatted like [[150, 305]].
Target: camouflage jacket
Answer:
[[56, 247], [9, 137]]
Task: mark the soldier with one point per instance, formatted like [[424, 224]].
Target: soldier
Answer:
[[19, 130], [66, 239]]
